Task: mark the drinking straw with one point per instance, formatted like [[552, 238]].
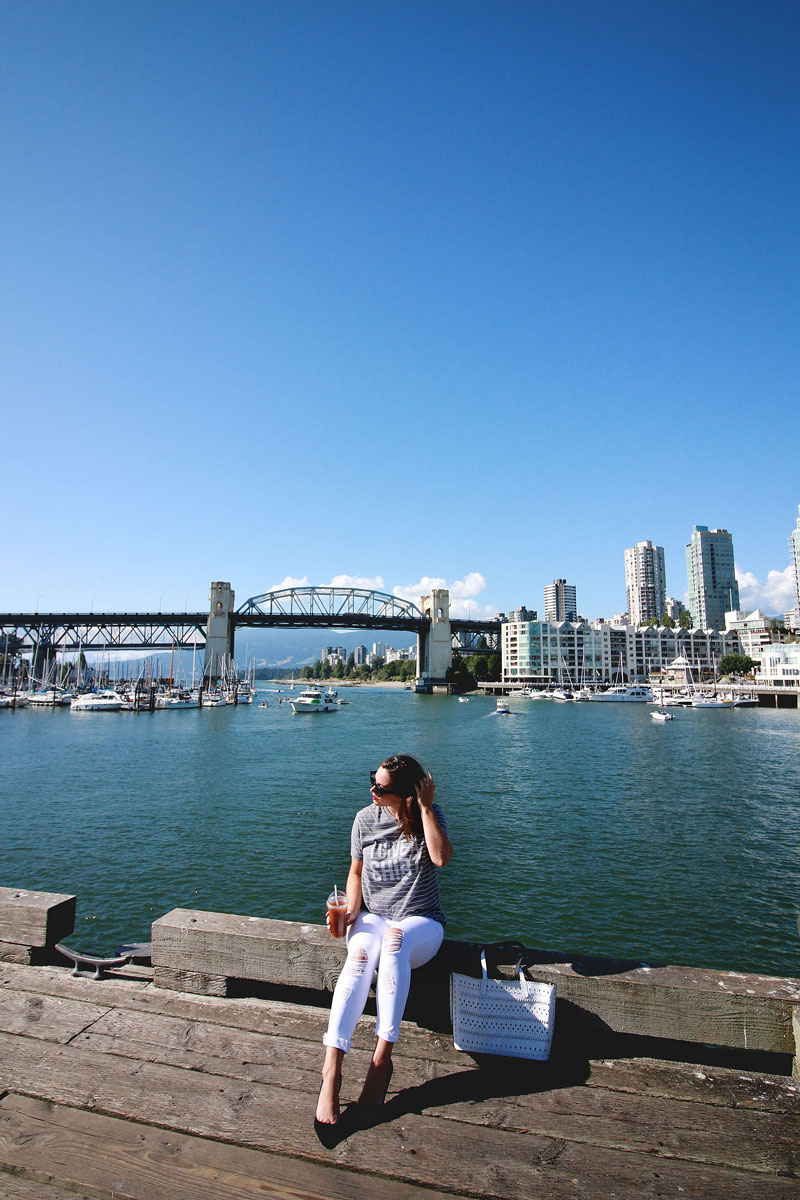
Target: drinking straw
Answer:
[[335, 894]]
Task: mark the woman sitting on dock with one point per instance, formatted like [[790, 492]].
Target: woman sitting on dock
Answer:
[[394, 917]]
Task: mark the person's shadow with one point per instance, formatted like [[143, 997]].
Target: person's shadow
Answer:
[[494, 1079]]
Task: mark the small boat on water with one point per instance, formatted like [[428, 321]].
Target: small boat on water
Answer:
[[562, 694], [105, 701], [661, 717], [701, 701], [177, 699], [52, 697], [625, 694], [463, 699], [314, 700], [502, 709]]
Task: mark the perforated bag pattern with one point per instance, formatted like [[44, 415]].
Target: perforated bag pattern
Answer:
[[498, 1016]]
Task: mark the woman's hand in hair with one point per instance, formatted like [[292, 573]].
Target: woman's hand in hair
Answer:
[[425, 789]]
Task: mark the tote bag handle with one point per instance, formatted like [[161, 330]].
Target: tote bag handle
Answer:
[[523, 982]]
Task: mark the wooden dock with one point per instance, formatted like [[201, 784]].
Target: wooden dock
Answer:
[[119, 1088]]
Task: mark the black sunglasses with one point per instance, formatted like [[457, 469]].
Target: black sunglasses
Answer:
[[377, 787]]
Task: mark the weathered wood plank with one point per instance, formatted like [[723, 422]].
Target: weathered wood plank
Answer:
[[411, 1148], [676, 1080], [196, 982], [35, 918], [240, 947], [722, 1008], [21, 1187], [130, 1161], [47, 1017], [13, 952], [518, 1096]]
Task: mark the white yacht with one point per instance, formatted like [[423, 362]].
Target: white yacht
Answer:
[[51, 697], [503, 709], [624, 693], [314, 700], [701, 701], [662, 717], [177, 699], [106, 701]]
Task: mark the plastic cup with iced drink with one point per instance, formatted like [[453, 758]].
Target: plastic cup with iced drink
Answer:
[[337, 912]]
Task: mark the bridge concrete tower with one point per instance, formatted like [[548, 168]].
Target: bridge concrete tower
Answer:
[[219, 632], [435, 647]]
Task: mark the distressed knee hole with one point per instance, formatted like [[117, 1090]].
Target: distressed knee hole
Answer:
[[392, 940], [357, 963]]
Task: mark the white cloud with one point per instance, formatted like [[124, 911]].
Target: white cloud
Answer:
[[775, 595], [358, 581], [462, 593], [289, 582]]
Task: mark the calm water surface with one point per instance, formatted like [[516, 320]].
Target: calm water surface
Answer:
[[582, 827]]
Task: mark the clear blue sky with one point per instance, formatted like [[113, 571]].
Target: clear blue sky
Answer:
[[395, 291]]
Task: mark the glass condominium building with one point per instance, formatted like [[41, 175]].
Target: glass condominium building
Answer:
[[711, 577]]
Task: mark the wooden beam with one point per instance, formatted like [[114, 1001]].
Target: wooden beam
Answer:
[[202, 951], [35, 919], [239, 947]]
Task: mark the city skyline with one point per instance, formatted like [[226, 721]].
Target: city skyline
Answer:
[[464, 295]]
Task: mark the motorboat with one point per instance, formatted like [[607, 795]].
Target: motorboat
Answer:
[[463, 699], [212, 700], [179, 699], [625, 694], [562, 694], [661, 717], [502, 709], [314, 700], [745, 702], [105, 701]]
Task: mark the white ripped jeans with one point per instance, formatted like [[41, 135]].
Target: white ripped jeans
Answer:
[[394, 947]]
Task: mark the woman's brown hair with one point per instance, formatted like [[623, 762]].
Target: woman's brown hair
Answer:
[[406, 775]]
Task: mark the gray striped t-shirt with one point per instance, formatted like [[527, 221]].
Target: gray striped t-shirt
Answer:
[[398, 878]]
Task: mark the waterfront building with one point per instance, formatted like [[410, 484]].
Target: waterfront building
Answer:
[[756, 630], [540, 653], [360, 655], [711, 577], [560, 601], [379, 649], [780, 666], [792, 619], [645, 582], [794, 544]]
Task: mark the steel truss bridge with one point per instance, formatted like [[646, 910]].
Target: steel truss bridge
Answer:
[[306, 607]]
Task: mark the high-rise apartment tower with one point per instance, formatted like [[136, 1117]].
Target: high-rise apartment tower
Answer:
[[794, 542], [560, 601], [711, 577], [645, 582]]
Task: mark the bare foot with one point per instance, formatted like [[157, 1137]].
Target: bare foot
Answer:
[[328, 1104], [373, 1093]]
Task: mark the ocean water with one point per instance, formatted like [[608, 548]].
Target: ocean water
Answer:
[[579, 827]]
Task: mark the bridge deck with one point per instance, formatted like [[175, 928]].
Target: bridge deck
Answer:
[[118, 1088]]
